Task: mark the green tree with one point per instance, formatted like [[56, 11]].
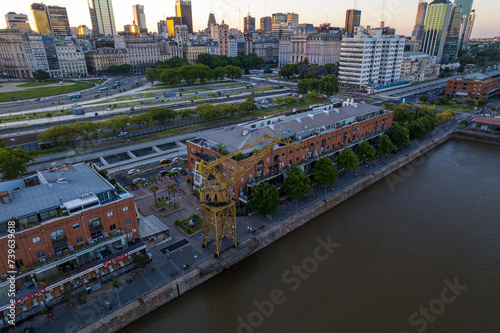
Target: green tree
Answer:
[[125, 69], [208, 111], [401, 115], [162, 114], [188, 76], [296, 183], [42, 75], [417, 129], [385, 144], [174, 62], [365, 151], [398, 136], [114, 70], [117, 122], [219, 73], [153, 188], [170, 76], [227, 109], [423, 98], [348, 160], [265, 198], [312, 95], [13, 162], [233, 72], [141, 118], [389, 106], [86, 128], [247, 107], [186, 113], [328, 85], [325, 172], [466, 59], [153, 75], [287, 71]]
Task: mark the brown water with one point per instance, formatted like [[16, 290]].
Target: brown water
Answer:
[[403, 247]]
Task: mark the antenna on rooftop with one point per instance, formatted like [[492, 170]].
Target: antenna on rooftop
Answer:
[[355, 4], [383, 7]]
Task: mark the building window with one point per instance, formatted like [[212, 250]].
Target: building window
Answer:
[[242, 179], [112, 227], [79, 240], [110, 214], [130, 235], [128, 222], [76, 226], [36, 240], [125, 209], [40, 254]]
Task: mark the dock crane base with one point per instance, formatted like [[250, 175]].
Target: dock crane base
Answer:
[[219, 222]]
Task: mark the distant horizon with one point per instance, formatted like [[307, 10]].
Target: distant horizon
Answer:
[[396, 14]]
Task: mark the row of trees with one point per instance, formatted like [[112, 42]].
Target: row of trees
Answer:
[[266, 198], [308, 71], [119, 69], [213, 61], [442, 100], [191, 74], [327, 85]]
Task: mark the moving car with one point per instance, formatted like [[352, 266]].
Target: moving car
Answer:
[[137, 180], [132, 171], [164, 161]]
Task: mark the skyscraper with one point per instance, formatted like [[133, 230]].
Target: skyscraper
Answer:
[[139, 17], [41, 18], [418, 29], [58, 20], [102, 17], [172, 22], [453, 35], [437, 20], [249, 23], [466, 11], [183, 10], [17, 21], [266, 24], [221, 36], [292, 19], [468, 29], [352, 20], [162, 27]]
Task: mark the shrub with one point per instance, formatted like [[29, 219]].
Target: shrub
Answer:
[[195, 216]]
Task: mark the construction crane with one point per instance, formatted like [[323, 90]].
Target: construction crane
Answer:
[[218, 208]]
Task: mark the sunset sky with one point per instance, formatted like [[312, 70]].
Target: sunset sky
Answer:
[[397, 13]]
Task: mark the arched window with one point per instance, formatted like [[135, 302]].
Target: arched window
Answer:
[[36, 240], [58, 234]]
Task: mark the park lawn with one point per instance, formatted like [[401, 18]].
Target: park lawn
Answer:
[[148, 95], [43, 92], [35, 115], [96, 81], [455, 107], [160, 86]]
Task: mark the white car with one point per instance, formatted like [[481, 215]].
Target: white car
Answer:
[[176, 159], [132, 171], [137, 180], [176, 169]]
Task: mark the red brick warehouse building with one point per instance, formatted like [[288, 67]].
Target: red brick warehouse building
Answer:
[[72, 227], [325, 130], [475, 86]]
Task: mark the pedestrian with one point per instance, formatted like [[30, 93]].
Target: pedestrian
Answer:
[[288, 211], [106, 303], [102, 312]]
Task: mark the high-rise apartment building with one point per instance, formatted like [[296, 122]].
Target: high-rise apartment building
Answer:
[[352, 20], [183, 10], [83, 30], [140, 17], [266, 24], [220, 34], [59, 22], [437, 20], [369, 61], [41, 18], [279, 18], [249, 23], [102, 17], [418, 29], [17, 21]]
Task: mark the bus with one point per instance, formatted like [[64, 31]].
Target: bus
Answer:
[[73, 96], [104, 89]]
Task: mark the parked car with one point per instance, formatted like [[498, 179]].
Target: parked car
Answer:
[[177, 159], [132, 171], [164, 161], [176, 169], [137, 180], [163, 173], [122, 134]]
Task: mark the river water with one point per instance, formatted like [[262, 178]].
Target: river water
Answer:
[[416, 252]]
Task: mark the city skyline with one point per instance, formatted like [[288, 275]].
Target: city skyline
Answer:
[[485, 25]]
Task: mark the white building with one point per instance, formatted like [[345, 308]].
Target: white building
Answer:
[[143, 51], [306, 43], [213, 48], [71, 61], [369, 61], [233, 47]]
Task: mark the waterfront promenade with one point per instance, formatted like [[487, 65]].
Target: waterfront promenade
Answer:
[[169, 268]]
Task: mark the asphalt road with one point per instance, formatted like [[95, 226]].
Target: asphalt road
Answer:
[[125, 83]]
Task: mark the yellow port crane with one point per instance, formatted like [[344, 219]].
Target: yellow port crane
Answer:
[[218, 208]]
